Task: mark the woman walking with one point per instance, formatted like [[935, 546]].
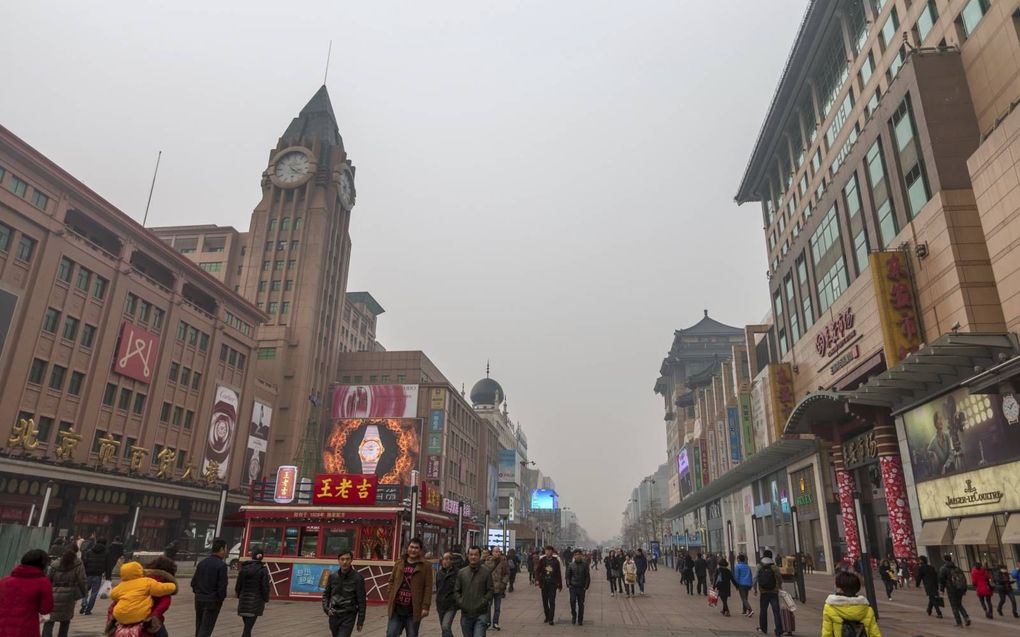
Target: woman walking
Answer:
[[687, 575], [68, 579], [252, 589], [744, 579], [983, 587], [723, 580], [610, 561], [846, 609], [26, 594], [1004, 587], [629, 575], [888, 573]]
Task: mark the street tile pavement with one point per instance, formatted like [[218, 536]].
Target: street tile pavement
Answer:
[[666, 611]]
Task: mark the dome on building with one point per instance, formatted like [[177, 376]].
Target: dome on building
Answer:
[[487, 392]]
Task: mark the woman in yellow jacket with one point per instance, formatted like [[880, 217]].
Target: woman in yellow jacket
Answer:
[[845, 606], [133, 596]]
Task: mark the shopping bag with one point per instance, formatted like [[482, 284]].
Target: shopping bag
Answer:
[[713, 597], [131, 630], [787, 601], [105, 588]]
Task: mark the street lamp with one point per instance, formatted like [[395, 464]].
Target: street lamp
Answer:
[[754, 537], [869, 582], [798, 570]]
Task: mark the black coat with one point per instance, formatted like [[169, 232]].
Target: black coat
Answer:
[[209, 583], [446, 579], [95, 561], [113, 554], [345, 594], [252, 589], [723, 580], [578, 575], [700, 567], [927, 575]]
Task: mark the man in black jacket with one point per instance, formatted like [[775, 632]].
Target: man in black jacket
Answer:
[[113, 555], [209, 583], [95, 567], [343, 599], [550, 578], [446, 601], [578, 581], [473, 592], [701, 572], [927, 575]]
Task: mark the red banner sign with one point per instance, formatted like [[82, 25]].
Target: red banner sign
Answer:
[[136, 353], [286, 482], [343, 488]]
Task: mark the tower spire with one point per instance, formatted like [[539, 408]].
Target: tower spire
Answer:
[[486, 369]]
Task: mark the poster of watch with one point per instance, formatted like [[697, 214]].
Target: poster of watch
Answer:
[[387, 448]]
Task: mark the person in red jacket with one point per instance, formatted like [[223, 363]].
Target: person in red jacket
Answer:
[[25, 594], [161, 569], [983, 587]]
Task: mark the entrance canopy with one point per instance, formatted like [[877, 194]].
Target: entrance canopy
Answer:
[[935, 533], [1011, 534], [974, 531], [944, 363]]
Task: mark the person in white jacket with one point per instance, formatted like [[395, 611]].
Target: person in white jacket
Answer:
[[629, 575]]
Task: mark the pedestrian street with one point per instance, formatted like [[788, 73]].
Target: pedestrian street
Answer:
[[665, 611]]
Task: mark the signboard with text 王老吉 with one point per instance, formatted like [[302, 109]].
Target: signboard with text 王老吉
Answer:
[[344, 489]]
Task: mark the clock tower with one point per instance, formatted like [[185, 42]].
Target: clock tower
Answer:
[[296, 267]]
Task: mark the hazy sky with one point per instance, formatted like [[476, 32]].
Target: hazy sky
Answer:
[[548, 185]]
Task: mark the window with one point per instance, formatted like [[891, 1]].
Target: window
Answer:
[[265, 266], [918, 192], [211, 266], [189, 417], [297, 223], [95, 440], [192, 335], [175, 369], [852, 199], [203, 342], [99, 288], [278, 265], [130, 304], [157, 318], [915, 180], [872, 105], [182, 330], [267, 537], [275, 285], [888, 33], [867, 69], [791, 302], [70, 328], [897, 63], [805, 293], [262, 286], [223, 352], [37, 371], [64, 269], [281, 246], [185, 376], [267, 353], [44, 424], [285, 307], [125, 399], [178, 414], [164, 412], [273, 307], [40, 200], [57, 375], [82, 282], [139, 405], [109, 394], [196, 380], [826, 235], [336, 540], [832, 284], [271, 225], [884, 213], [242, 360], [802, 185], [74, 386], [50, 321], [88, 335], [291, 264], [5, 232], [816, 161], [26, 247], [18, 186], [293, 246], [971, 15], [268, 247], [926, 21], [845, 107], [285, 223]]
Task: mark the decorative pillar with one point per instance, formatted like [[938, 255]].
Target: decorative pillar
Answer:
[[901, 525], [846, 485]]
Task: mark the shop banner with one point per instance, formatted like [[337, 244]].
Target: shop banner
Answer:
[[286, 484], [897, 307], [992, 490], [713, 460], [436, 421], [434, 466], [375, 401], [746, 424], [437, 398], [258, 442], [782, 396], [705, 479], [222, 429], [344, 489], [137, 352], [733, 422]]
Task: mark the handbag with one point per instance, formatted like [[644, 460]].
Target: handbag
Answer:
[[787, 600], [713, 596], [940, 602], [105, 588]]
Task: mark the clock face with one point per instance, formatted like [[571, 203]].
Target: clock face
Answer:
[[347, 193], [292, 168], [371, 450]]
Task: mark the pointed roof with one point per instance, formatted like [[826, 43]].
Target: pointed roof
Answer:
[[710, 326], [316, 121]]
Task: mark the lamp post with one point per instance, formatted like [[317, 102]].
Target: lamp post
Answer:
[[729, 539], [798, 568], [485, 531], [460, 525], [754, 537], [45, 503], [869, 582], [414, 500]]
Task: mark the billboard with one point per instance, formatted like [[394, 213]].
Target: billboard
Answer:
[[733, 423], [222, 429], [387, 448], [544, 500], [286, 484], [509, 468], [258, 442], [894, 293], [136, 353], [375, 401], [344, 489], [493, 491], [960, 432]]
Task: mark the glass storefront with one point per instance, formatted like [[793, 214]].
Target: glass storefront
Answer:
[[805, 498]]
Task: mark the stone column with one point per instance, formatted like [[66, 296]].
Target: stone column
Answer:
[[901, 525], [846, 485]]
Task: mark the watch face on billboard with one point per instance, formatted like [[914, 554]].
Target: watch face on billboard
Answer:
[[385, 447], [375, 401], [544, 500]]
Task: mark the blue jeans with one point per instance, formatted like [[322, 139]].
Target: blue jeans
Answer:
[[641, 581], [446, 622], [769, 599], [474, 626], [497, 603], [93, 582], [399, 623]]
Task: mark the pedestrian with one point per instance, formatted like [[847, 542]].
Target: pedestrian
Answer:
[[981, 580], [58, 548], [610, 573], [927, 575], [94, 559], [687, 574], [768, 581], [846, 612], [701, 572], [114, 552], [578, 581], [513, 565], [887, 571], [209, 584], [410, 592], [953, 582], [133, 598], [473, 593], [1003, 584], [68, 579], [629, 575], [712, 564], [343, 599], [446, 603], [457, 554], [655, 560], [162, 569], [743, 578], [641, 560], [722, 582], [25, 594], [550, 579], [252, 590], [497, 565]]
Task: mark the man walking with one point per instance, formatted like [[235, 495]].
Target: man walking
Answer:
[[953, 582], [550, 578], [209, 583], [578, 581], [927, 575], [410, 592], [744, 579], [94, 560], [497, 565], [701, 572], [343, 599], [473, 593], [641, 561], [713, 567], [767, 583], [446, 602]]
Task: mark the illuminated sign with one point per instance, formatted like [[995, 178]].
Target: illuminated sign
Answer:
[[286, 483], [991, 490], [544, 500], [344, 489]]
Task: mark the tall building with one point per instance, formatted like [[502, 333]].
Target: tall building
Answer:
[[219, 250], [357, 331]]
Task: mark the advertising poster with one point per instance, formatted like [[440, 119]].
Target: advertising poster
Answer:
[[684, 472], [747, 424], [309, 580], [544, 500], [508, 465], [437, 399], [959, 432], [697, 466], [782, 396], [286, 484], [713, 459], [436, 421], [388, 448], [222, 429], [375, 401], [258, 442], [760, 416], [137, 349], [434, 466], [493, 488], [894, 292], [705, 479], [733, 423]]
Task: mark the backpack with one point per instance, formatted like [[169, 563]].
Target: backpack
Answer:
[[853, 629], [957, 580], [767, 579]]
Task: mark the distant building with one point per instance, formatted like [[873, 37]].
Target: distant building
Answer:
[[357, 331]]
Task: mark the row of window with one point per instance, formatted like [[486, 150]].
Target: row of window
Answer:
[[180, 458], [241, 326], [44, 425], [284, 224], [123, 399], [211, 266], [19, 187], [58, 377], [85, 279], [276, 285], [192, 336], [51, 324], [26, 244], [274, 307], [373, 379], [144, 313], [176, 415], [277, 266], [184, 376], [232, 357], [280, 246]]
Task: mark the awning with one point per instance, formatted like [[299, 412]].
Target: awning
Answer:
[[1011, 534], [769, 460], [935, 533], [974, 531]]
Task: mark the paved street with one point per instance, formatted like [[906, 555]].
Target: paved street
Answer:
[[664, 611]]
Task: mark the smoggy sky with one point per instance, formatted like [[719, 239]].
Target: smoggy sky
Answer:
[[546, 185]]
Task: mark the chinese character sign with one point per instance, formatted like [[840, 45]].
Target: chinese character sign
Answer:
[[136, 353], [897, 309], [344, 489], [286, 484], [781, 386]]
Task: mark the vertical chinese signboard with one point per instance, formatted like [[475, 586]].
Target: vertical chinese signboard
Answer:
[[705, 479], [286, 483], [781, 386], [697, 466], [746, 423], [733, 423], [897, 309]]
